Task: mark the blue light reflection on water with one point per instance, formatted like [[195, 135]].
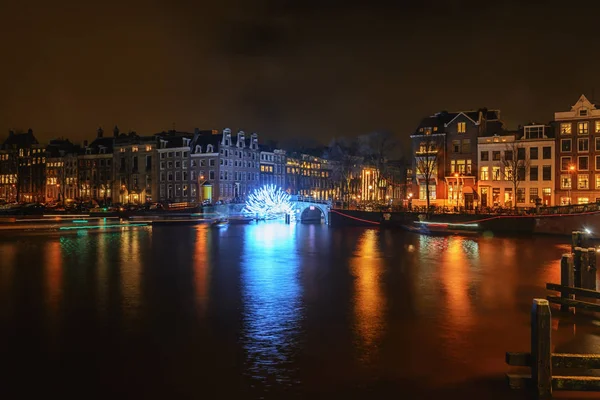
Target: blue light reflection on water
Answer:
[[271, 296]]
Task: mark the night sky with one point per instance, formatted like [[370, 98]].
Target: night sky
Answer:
[[315, 69]]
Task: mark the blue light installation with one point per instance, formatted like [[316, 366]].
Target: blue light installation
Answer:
[[268, 202]]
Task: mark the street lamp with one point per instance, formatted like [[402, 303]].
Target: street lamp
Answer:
[[571, 169], [456, 188]]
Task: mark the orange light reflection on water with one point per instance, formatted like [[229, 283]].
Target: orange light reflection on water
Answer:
[[53, 275], [369, 303], [130, 271], [201, 267]]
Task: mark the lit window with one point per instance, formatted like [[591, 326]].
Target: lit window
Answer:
[[533, 195], [496, 173], [597, 123], [484, 173], [583, 181], [582, 128], [583, 200], [462, 127], [134, 148], [122, 150], [508, 173], [597, 181], [565, 128], [565, 181], [148, 148]]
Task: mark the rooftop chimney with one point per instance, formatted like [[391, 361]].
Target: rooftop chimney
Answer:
[[100, 132], [116, 131], [85, 143]]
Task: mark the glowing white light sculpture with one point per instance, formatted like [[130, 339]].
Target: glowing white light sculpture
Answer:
[[269, 202]]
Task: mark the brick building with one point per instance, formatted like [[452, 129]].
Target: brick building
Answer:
[[578, 153]]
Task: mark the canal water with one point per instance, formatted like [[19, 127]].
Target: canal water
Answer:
[[271, 311]]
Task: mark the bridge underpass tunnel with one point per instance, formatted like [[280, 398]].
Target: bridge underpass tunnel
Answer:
[[312, 214]]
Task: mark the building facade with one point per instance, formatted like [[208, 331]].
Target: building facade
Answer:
[[239, 166], [578, 153], [56, 155], [24, 164], [204, 166], [8, 175], [310, 176], [445, 156], [528, 153], [173, 153], [134, 169], [95, 175], [272, 166]]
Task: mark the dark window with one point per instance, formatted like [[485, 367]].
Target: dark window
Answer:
[[455, 147], [521, 173], [148, 162], [485, 156], [508, 155], [547, 152], [565, 145], [533, 173], [547, 172], [533, 153], [496, 155], [583, 163], [135, 163], [521, 153]]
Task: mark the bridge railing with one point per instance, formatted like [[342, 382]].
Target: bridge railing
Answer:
[[309, 199]]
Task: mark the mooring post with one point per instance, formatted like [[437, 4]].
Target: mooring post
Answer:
[[541, 348], [585, 269], [593, 269], [566, 278], [574, 240], [577, 267]]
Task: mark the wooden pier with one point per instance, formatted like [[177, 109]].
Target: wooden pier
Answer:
[[578, 275], [541, 381]]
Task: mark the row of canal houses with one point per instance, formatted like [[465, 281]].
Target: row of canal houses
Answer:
[[178, 167], [468, 159]]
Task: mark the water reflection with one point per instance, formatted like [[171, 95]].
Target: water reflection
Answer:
[[53, 273], [456, 280], [367, 267], [271, 299], [202, 263], [131, 268], [7, 264]]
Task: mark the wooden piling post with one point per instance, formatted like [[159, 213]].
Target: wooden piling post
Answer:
[[566, 278], [541, 348], [593, 267], [585, 269], [577, 267]]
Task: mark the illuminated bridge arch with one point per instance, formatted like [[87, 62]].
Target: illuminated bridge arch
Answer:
[[302, 204]]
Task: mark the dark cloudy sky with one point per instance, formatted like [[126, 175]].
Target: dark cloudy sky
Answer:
[[313, 68]]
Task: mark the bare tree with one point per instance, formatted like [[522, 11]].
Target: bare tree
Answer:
[[345, 161], [376, 148], [514, 166], [427, 156]]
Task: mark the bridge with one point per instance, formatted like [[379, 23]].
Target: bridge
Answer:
[[306, 208]]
